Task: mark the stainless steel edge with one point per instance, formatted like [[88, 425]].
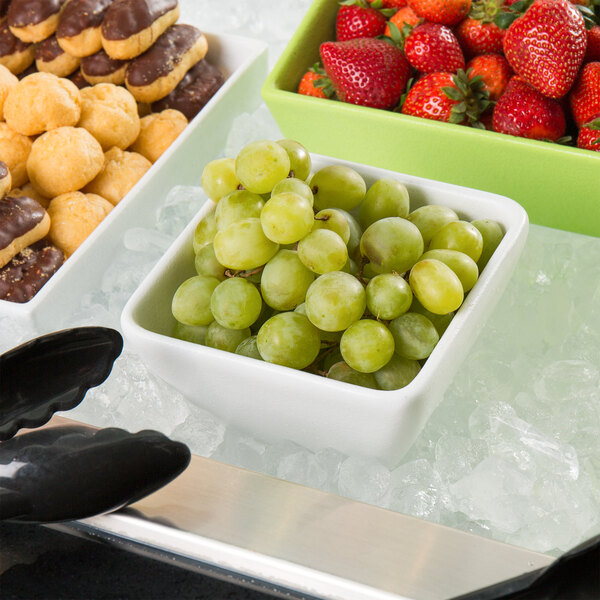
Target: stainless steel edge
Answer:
[[228, 519]]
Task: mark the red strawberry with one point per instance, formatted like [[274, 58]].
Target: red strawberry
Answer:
[[368, 72], [446, 97], [585, 94], [404, 16], [477, 33], [315, 83], [593, 44], [589, 136], [494, 70], [546, 46], [431, 48], [524, 112], [446, 12], [356, 19]]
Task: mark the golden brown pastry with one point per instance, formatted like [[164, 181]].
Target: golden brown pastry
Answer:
[[40, 102], [157, 132], [22, 222], [74, 216], [121, 171], [14, 150], [64, 160], [130, 27], [15, 55], [5, 179], [100, 68], [156, 73], [78, 30], [51, 58], [109, 113], [7, 81], [34, 20]]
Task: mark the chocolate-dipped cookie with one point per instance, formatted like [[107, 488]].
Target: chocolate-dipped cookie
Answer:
[[23, 222], [100, 68], [34, 20], [157, 72], [130, 27], [198, 86], [51, 58], [15, 55], [27, 272], [78, 30]]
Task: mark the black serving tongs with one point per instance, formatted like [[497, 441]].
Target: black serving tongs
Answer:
[[73, 471]]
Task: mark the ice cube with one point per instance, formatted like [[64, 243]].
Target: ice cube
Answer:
[[201, 431], [364, 479]]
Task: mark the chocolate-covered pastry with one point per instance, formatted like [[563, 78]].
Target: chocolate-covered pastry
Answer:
[[34, 20], [51, 58], [23, 277], [158, 71], [5, 179], [78, 31], [100, 68], [15, 55], [198, 86], [130, 27], [23, 221]]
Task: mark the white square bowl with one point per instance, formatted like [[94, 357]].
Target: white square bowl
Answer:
[[274, 402], [243, 62]]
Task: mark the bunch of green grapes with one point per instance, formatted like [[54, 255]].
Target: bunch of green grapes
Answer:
[[323, 273]]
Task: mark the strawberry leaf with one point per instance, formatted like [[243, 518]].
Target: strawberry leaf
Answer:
[[593, 124]]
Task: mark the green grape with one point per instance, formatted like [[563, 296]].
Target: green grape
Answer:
[[464, 266], [356, 232], [461, 236], [205, 232], [440, 322], [338, 186], [369, 272], [222, 338], [388, 296], [492, 234], [285, 280], [291, 184], [235, 303], [238, 205], [249, 348], [436, 286], [398, 373], [415, 336], [190, 333], [191, 301], [334, 220], [367, 345], [289, 339], [206, 263], [323, 251], [385, 198], [219, 179], [334, 301], [340, 371], [300, 162], [392, 244], [327, 337], [286, 218], [261, 164], [243, 245], [431, 218]]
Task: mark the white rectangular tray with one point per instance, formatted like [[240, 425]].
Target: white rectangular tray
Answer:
[[243, 62]]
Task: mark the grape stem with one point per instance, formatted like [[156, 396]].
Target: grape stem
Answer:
[[361, 266], [312, 367], [244, 274]]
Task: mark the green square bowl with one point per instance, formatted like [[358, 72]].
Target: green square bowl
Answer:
[[559, 186]]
